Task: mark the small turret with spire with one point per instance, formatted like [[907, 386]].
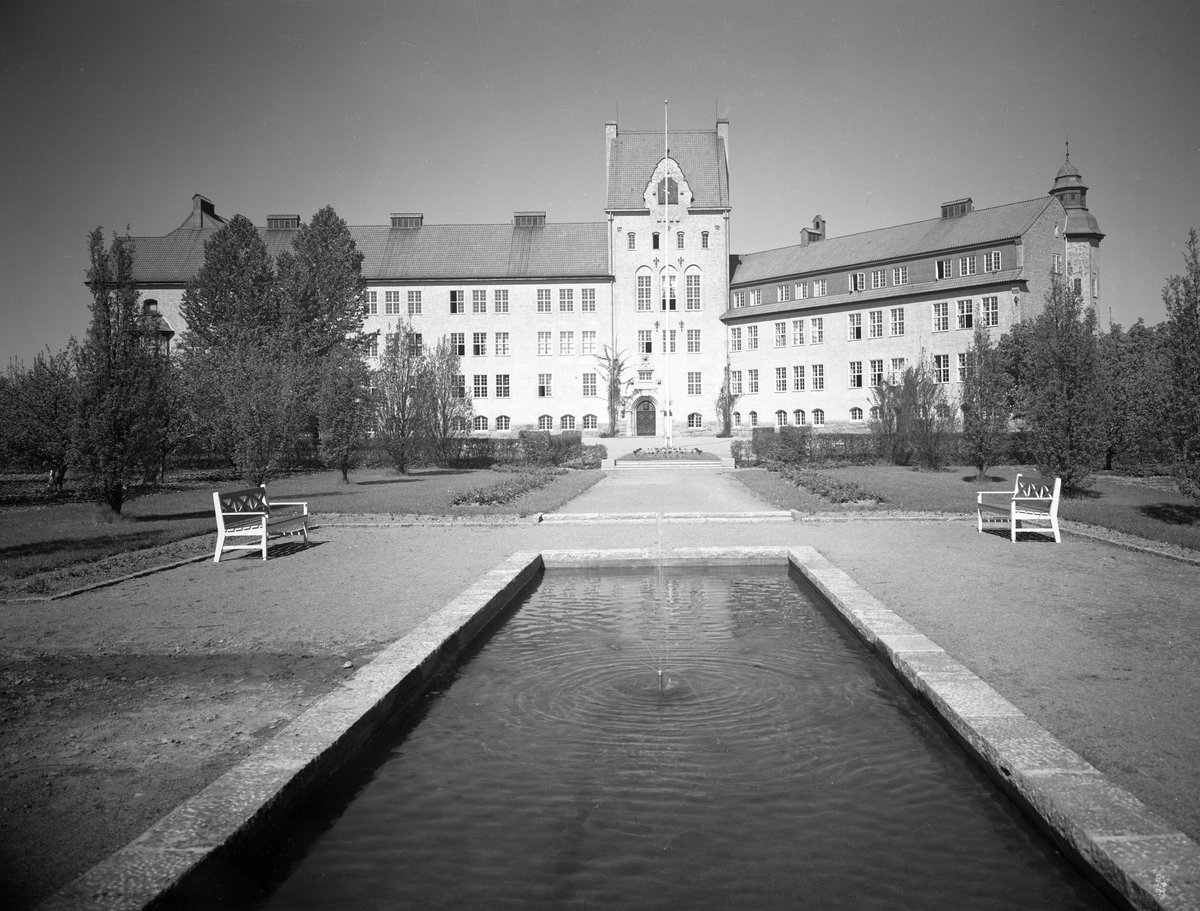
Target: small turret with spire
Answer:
[[1072, 193]]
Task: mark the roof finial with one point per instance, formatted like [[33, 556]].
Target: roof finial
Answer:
[[1068, 147]]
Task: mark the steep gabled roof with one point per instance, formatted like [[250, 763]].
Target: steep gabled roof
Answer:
[[920, 238], [700, 154]]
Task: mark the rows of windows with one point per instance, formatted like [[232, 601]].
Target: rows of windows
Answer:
[[481, 423], [413, 303], [669, 289], [655, 240]]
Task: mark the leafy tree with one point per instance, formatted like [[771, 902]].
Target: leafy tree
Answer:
[[40, 406], [399, 384], [912, 418], [1182, 298], [1059, 388], [344, 409], [1137, 384], [613, 364], [984, 404], [121, 378], [447, 410], [726, 401], [888, 423]]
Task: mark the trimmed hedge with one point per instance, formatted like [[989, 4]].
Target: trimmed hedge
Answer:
[[531, 448], [802, 445]]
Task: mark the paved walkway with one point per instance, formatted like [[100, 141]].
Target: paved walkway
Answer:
[[666, 490]]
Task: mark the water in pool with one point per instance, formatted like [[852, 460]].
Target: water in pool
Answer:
[[773, 763]]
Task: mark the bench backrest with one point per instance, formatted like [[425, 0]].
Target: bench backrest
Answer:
[[251, 500], [1037, 487]]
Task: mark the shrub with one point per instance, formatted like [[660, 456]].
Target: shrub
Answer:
[[742, 453], [502, 492], [829, 487]]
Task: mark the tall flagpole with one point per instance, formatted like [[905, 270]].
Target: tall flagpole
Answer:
[[666, 276]]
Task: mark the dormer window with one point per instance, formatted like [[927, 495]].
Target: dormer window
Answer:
[[283, 222]]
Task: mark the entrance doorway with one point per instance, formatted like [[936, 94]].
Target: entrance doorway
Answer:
[[645, 418]]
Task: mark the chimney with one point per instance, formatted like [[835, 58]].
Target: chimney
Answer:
[[610, 140], [723, 135], [202, 207], [408, 219]]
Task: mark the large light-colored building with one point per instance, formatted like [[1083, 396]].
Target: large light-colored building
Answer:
[[804, 331]]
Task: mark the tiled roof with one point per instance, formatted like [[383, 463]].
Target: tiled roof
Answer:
[[700, 154], [409, 254], [920, 238], [932, 289]]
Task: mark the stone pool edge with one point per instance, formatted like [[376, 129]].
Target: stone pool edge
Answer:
[[1144, 861]]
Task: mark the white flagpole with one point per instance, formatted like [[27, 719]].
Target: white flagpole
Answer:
[[666, 276]]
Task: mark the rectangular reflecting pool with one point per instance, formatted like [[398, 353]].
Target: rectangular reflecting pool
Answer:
[[679, 737]]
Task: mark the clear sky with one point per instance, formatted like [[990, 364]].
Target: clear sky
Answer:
[[868, 113]]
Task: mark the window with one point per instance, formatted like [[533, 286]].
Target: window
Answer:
[[818, 377], [798, 417], [875, 413], [414, 303], [479, 344], [941, 317], [941, 368], [962, 367], [391, 339], [645, 376], [370, 303], [877, 372], [458, 302], [479, 301], [756, 297], [566, 343], [500, 306], [897, 366], [668, 290], [991, 261], [632, 239], [481, 423], [1056, 263], [703, 240], [879, 279], [587, 300], [589, 342], [735, 339], [1095, 285], [966, 265], [415, 346], [679, 240], [752, 382], [458, 424], [855, 326], [737, 419], [501, 344], [458, 343], [543, 346], [460, 386], [897, 321], [818, 417], [654, 240], [643, 291], [545, 385], [781, 379], [693, 341], [856, 414], [753, 418], [876, 324], [735, 382], [1077, 283], [693, 290], [693, 382], [858, 281], [502, 392], [801, 290], [752, 338], [816, 326], [567, 422], [479, 387], [373, 345], [900, 275], [781, 335], [545, 422], [589, 422], [781, 418], [783, 292], [739, 299], [990, 311], [391, 302], [856, 376], [944, 269], [797, 332], [672, 337], [543, 299], [503, 422], [566, 300], [694, 419], [589, 384], [797, 379], [645, 342], [966, 314]]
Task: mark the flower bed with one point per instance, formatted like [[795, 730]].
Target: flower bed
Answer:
[[669, 454]]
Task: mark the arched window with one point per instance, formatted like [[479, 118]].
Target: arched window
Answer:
[[678, 240], [645, 288], [737, 419], [503, 423], [545, 422], [875, 412], [780, 418], [632, 240], [694, 419], [567, 422], [668, 288], [481, 423], [818, 417], [856, 414], [589, 422], [798, 417], [753, 418], [703, 240], [458, 424]]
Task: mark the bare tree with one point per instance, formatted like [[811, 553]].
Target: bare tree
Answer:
[[448, 410], [613, 365]]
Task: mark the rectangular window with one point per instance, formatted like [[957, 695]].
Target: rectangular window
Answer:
[[589, 342], [458, 343], [797, 332], [819, 287], [941, 368], [545, 385], [818, 377], [739, 299], [816, 335], [645, 376], [877, 372], [941, 317], [756, 297], [897, 321], [693, 341], [587, 300], [501, 344], [458, 301], [858, 281], [797, 379], [501, 303], [566, 343], [854, 324], [543, 343], [632, 240], [991, 261], [879, 279], [543, 298], [416, 347], [668, 291], [460, 386], [693, 381], [752, 382], [703, 240], [566, 300], [900, 275], [643, 292], [735, 382], [945, 269], [962, 368], [856, 376], [693, 291], [966, 265], [735, 339], [391, 302], [1056, 263], [479, 301], [875, 329], [801, 290], [679, 240], [783, 292], [371, 303], [897, 366], [373, 345], [752, 338], [502, 386], [479, 344], [589, 384], [479, 387], [781, 335], [645, 342], [991, 311], [672, 338], [781, 379], [966, 314]]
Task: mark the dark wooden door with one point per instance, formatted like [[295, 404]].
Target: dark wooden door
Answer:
[[645, 419]]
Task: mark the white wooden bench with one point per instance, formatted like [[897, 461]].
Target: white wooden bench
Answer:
[[1032, 501], [249, 514]]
